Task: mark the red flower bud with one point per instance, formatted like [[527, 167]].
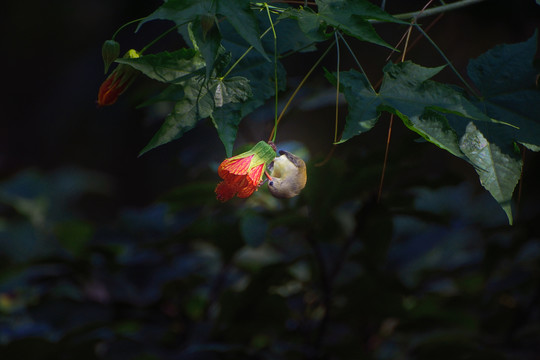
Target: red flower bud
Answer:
[[117, 82]]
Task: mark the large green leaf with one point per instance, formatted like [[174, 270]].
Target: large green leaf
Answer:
[[237, 13], [200, 100], [196, 104], [351, 16], [167, 67], [309, 22], [206, 38], [407, 92], [498, 166], [226, 120], [232, 89], [420, 103], [481, 131], [506, 78], [242, 18], [181, 11]]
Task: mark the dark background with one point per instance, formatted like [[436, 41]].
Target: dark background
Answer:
[[107, 255]]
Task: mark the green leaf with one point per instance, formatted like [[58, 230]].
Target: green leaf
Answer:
[[290, 38], [505, 68], [237, 12], [172, 93], [499, 168], [407, 92], [242, 18], [181, 11], [198, 103], [226, 120], [484, 140], [351, 16], [232, 89], [506, 77], [309, 23], [167, 67], [435, 128], [363, 103], [361, 8], [206, 39]]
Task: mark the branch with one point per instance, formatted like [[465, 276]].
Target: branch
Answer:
[[437, 10]]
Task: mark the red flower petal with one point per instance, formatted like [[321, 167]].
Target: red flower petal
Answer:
[[235, 166], [224, 191], [255, 174], [246, 190]]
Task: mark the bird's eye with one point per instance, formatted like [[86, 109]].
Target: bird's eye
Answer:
[[271, 183]]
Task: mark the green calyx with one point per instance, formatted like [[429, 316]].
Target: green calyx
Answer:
[[262, 153], [110, 52]]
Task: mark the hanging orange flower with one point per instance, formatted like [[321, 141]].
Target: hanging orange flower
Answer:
[[242, 174], [117, 82]]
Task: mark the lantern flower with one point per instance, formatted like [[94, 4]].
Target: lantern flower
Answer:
[[242, 174], [118, 81]]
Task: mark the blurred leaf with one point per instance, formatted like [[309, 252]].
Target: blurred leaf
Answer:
[[74, 235], [453, 345], [253, 228]]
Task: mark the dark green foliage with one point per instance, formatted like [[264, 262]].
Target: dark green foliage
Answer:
[[332, 274], [144, 263], [482, 131]]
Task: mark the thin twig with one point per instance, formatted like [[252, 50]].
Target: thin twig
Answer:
[[469, 87], [299, 87], [436, 10], [337, 89], [379, 194]]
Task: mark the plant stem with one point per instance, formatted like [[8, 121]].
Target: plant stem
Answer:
[[437, 10], [337, 88], [157, 39], [298, 88], [388, 137], [276, 86], [469, 87], [126, 24], [244, 54], [356, 60]]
